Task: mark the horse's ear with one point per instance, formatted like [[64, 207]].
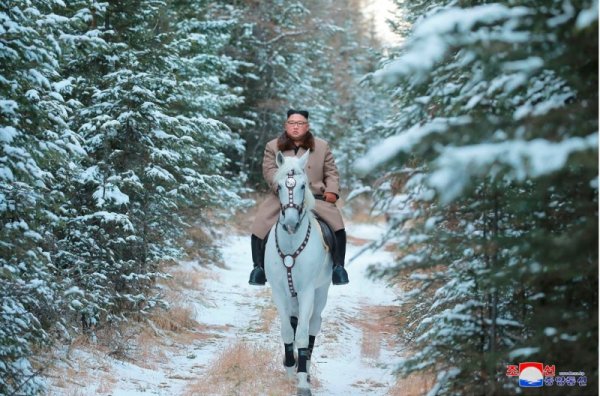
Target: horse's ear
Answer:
[[279, 159], [304, 159]]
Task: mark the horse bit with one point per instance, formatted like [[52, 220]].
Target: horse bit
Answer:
[[289, 260]]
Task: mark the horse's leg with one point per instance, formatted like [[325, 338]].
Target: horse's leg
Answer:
[[293, 356], [289, 360], [294, 323], [319, 306], [306, 300], [314, 326], [294, 315], [311, 345], [287, 332]]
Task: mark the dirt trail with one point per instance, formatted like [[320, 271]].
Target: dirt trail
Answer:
[[233, 346]]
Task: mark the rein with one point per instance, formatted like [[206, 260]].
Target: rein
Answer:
[[289, 260]]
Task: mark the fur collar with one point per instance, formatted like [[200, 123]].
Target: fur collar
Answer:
[[285, 143]]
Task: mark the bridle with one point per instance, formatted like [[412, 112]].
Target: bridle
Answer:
[[290, 183], [289, 260]]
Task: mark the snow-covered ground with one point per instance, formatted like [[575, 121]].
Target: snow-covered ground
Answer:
[[354, 354]]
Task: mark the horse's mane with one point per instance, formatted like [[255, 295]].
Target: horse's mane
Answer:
[[292, 164]]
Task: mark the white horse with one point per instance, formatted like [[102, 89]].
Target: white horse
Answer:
[[298, 266]]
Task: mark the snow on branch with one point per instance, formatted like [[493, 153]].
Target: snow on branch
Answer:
[[106, 217], [523, 352], [442, 378], [405, 141], [587, 17], [534, 158], [110, 192], [432, 37]]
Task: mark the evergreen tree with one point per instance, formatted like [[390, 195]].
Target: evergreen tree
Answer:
[[100, 168], [492, 160], [153, 148], [36, 144]]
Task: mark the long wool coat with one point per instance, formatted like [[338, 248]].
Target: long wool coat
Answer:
[[323, 177]]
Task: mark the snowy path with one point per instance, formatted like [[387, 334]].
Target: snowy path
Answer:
[[339, 361], [354, 353]]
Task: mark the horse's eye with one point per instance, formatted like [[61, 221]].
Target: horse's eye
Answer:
[[303, 186]]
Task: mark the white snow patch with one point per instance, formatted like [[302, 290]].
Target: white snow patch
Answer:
[[587, 17], [523, 352], [231, 306], [533, 158], [110, 192], [405, 141], [432, 37], [7, 134]]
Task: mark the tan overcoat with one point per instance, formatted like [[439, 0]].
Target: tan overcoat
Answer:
[[323, 177]]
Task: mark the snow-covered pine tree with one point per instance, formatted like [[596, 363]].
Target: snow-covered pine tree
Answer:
[[208, 94], [497, 116], [36, 144], [207, 97], [150, 91]]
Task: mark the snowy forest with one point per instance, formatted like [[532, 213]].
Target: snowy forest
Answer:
[[124, 123]]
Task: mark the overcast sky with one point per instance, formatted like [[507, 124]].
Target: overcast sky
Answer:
[[382, 10]]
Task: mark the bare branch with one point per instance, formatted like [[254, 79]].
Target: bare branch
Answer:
[[284, 35]]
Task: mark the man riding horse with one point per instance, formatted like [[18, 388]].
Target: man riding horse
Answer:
[[323, 182]]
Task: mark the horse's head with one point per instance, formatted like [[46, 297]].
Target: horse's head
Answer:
[[295, 197]]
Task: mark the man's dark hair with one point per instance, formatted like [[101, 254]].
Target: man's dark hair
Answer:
[[303, 113]]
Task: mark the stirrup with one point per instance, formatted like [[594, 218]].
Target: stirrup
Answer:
[[257, 276], [339, 275]]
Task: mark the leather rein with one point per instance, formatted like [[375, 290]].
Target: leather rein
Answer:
[[289, 260]]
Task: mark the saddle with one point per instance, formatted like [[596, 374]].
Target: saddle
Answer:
[[328, 236], [326, 231]]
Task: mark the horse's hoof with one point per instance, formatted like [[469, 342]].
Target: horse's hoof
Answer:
[[303, 385], [304, 392]]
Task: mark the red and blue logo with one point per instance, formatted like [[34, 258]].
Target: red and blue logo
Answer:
[[531, 375], [536, 375]]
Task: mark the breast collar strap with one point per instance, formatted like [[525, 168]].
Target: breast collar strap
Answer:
[[289, 260]]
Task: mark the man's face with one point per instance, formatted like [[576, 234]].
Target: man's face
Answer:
[[296, 127]]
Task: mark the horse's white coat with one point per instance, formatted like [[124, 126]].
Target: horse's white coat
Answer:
[[311, 273]]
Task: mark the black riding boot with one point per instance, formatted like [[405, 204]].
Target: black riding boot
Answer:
[[339, 276], [257, 276]]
